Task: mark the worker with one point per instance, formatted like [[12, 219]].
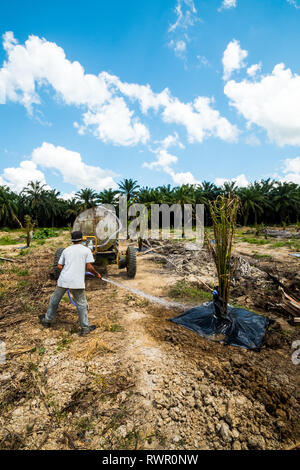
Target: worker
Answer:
[[73, 263]]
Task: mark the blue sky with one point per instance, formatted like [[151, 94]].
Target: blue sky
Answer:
[[172, 91]]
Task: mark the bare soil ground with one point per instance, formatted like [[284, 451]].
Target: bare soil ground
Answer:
[[139, 381]]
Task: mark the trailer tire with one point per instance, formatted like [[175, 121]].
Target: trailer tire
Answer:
[[131, 262], [56, 271]]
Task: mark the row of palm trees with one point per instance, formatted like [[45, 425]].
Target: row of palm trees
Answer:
[[266, 201]]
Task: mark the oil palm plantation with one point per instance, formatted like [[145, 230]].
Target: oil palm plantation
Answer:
[[267, 201]]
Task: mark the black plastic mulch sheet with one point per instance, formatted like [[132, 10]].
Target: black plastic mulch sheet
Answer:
[[240, 328]]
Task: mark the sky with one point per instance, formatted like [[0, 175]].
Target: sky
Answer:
[[163, 92]]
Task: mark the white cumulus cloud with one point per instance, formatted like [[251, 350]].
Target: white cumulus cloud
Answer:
[[172, 140], [291, 170], [72, 168], [199, 117], [17, 178], [254, 69], [40, 62], [240, 181], [164, 160], [272, 103], [114, 122], [183, 177], [233, 58], [104, 112]]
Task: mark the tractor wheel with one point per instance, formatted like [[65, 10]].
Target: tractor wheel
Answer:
[[57, 255], [131, 262]]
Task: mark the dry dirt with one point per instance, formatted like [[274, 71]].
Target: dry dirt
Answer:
[[138, 381]]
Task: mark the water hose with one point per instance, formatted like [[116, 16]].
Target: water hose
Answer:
[[69, 293], [164, 303]]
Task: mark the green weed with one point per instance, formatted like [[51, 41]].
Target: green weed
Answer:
[[255, 241], [65, 343], [7, 240], [20, 272], [184, 290], [262, 256]]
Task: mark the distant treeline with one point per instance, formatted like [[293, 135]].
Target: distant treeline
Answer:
[[266, 201]]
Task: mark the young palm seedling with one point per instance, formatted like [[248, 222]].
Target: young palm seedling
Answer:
[[223, 213]]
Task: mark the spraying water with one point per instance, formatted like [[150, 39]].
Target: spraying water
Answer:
[[151, 298]]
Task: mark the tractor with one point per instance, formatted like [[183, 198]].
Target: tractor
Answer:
[[100, 228]]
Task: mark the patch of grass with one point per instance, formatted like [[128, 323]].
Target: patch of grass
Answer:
[[32, 367], [7, 240], [114, 327], [183, 290], [25, 252], [295, 244], [39, 242], [142, 303], [20, 272], [84, 424], [262, 256], [64, 343], [98, 379], [57, 412], [255, 241], [24, 283]]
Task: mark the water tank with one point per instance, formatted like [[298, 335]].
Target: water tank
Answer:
[[101, 222]]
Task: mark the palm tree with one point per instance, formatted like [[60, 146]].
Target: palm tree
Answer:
[[8, 206], [209, 190], [129, 187], [286, 200], [229, 188], [54, 203], [87, 198], [184, 194], [72, 209], [165, 194], [107, 196], [205, 193], [36, 193], [252, 200]]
